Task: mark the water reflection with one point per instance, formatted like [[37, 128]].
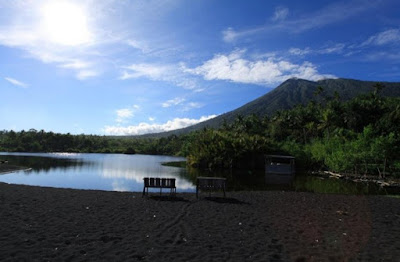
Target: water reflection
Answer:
[[143, 166], [115, 172], [336, 186], [255, 180], [41, 163], [118, 172]]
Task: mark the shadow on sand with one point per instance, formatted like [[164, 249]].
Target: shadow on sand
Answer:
[[168, 198], [226, 200]]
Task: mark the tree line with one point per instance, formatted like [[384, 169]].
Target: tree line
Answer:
[[42, 141], [358, 136]]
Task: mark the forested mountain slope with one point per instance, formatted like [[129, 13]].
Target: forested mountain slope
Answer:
[[291, 93]]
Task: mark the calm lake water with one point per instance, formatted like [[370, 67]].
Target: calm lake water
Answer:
[[119, 172], [111, 172]]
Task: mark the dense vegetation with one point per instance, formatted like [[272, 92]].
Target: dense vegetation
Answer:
[[358, 136], [41, 141]]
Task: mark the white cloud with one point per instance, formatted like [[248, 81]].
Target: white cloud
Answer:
[[173, 102], [300, 52], [327, 15], [379, 56], [44, 31], [235, 68], [329, 49], [181, 101], [124, 114], [76, 64], [280, 13], [229, 35], [16, 82], [84, 74], [138, 45], [336, 48], [144, 128], [192, 105], [387, 37], [383, 38], [173, 73], [49, 53], [96, 36], [333, 13], [83, 69], [152, 71]]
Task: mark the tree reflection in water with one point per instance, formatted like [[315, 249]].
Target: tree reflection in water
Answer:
[[44, 164], [238, 180]]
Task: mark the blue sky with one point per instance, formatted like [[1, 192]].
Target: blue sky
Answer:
[[119, 67]]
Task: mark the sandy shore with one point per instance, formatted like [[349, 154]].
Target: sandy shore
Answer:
[[48, 224]]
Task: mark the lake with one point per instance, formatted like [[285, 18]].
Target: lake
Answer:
[[119, 172], [111, 172]]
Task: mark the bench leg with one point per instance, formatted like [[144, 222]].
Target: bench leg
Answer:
[[144, 191]]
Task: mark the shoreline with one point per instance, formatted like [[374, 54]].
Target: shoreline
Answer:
[[6, 168], [388, 183], [40, 223]]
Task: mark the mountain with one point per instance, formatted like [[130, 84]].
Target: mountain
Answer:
[[291, 93]]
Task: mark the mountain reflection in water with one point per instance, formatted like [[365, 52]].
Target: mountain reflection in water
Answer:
[[116, 172], [119, 172]]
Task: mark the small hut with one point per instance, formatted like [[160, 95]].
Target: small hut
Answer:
[[279, 169]]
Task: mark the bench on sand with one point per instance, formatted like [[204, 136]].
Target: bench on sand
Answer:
[[156, 182], [210, 184]]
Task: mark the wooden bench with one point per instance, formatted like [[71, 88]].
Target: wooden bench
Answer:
[[210, 184], [152, 182]]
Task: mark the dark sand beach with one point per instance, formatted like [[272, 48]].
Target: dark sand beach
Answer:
[[48, 224]]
